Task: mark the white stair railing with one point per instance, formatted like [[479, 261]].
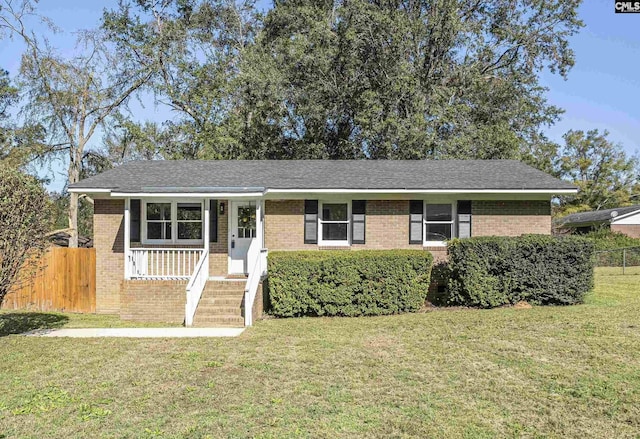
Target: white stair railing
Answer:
[[163, 263], [256, 259], [195, 287]]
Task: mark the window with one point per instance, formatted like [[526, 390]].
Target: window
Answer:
[[189, 221], [159, 221], [247, 221], [438, 222], [334, 224], [170, 222]]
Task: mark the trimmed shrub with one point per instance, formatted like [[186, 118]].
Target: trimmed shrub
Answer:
[[347, 283], [493, 271]]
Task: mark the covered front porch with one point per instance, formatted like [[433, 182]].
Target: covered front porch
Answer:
[[200, 240]]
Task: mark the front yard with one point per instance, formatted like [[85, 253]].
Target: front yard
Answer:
[[554, 371]]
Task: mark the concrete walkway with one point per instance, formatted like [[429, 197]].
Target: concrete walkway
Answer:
[[139, 332]]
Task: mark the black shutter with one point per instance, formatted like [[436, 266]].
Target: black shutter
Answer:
[[134, 220], [310, 221], [213, 220], [358, 221], [464, 219], [415, 221]]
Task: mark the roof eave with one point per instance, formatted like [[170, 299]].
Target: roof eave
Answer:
[[261, 191]]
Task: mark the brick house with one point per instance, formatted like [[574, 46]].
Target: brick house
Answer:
[[188, 240], [619, 219]]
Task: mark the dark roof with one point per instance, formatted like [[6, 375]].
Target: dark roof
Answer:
[[251, 175], [595, 216]]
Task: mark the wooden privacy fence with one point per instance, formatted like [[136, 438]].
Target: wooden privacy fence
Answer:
[[64, 280]]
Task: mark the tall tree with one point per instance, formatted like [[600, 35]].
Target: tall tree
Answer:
[[8, 96], [605, 175], [70, 97], [194, 48], [19, 145], [405, 78]]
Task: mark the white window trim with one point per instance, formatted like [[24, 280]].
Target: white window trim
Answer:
[[174, 222], [453, 222], [328, 243]]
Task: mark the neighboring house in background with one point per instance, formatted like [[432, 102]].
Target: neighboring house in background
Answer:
[[163, 227], [61, 239], [620, 219]]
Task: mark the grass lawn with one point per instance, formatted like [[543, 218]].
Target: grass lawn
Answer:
[[552, 372]]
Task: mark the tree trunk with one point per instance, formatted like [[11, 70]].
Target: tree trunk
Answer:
[[73, 220], [75, 162]]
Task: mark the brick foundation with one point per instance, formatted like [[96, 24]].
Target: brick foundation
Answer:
[[258, 304], [154, 301]]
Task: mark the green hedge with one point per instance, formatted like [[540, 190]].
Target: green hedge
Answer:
[[347, 283], [494, 271]]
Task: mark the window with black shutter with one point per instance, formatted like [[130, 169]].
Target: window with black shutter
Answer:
[[310, 221], [358, 221], [415, 221]]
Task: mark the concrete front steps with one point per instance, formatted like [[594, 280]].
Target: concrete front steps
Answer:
[[221, 305]]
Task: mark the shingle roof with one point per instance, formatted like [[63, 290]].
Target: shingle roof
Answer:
[[595, 216], [249, 175]]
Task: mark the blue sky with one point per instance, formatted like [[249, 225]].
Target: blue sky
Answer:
[[602, 90]]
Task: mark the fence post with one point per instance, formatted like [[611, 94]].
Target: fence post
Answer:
[[624, 259]]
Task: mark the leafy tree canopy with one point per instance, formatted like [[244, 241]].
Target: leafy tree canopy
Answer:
[[605, 175], [349, 79]]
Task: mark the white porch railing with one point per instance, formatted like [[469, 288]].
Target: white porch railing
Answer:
[[256, 260], [195, 287], [163, 263]]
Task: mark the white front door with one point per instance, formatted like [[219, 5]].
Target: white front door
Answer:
[[241, 231]]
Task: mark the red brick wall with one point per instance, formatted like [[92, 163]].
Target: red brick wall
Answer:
[[386, 228], [153, 300], [510, 218], [387, 225], [284, 225], [632, 230], [108, 240]]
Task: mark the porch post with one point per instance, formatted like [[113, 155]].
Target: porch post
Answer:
[[207, 222], [259, 226], [127, 238]]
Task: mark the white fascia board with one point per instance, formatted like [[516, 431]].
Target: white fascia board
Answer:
[[423, 191], [88, 191], [188, 194]]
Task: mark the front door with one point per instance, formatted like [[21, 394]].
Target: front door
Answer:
[[241, 232]]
